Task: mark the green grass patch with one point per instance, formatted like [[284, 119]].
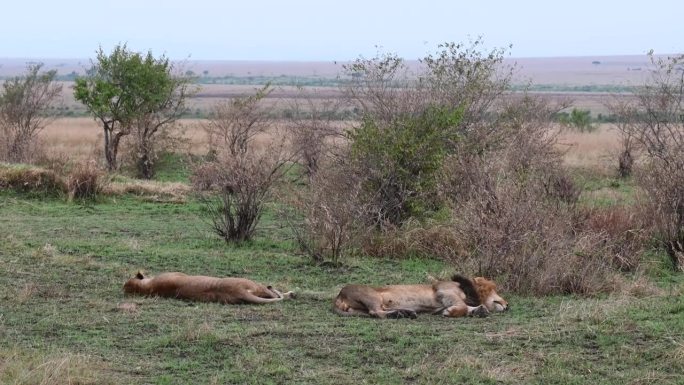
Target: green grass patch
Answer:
[[63, 266]]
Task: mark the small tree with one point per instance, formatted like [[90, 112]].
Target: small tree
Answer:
[[128, 91], [24, 102], [161, 104]]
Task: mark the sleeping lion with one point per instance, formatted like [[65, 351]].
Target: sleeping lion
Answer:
[[456, 298], [204, 289]]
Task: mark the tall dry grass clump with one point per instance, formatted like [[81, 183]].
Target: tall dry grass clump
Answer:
[[85, 181], [431, 238], [663, 182], [30, 179], [625, 230]]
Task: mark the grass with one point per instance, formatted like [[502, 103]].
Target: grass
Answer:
[[64, 318]]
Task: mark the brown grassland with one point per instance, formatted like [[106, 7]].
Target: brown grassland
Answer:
[[80, 138]]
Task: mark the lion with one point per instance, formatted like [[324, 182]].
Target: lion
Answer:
[[456, 298], [204, 289]]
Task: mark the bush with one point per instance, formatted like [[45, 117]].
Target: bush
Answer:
[[517, 232], [662, 182], [653, 123], [400, 161], [625, 230], [326, 215], [515, 211], [245, 181]]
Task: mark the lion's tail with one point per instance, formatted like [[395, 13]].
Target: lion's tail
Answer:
[[251, 298], [472, 298]]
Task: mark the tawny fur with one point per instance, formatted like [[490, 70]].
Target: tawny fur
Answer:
[[456, 298], [204, 289]]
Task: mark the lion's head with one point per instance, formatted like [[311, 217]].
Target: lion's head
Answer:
[[133, 285], [486, 291]]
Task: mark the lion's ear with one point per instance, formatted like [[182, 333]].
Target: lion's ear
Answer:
[[140, 275]]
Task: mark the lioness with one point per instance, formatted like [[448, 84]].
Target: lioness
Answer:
[[205, 289], [456, 298]]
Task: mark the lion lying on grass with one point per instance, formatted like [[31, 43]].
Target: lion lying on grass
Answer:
[[456, 298], [204, 289]]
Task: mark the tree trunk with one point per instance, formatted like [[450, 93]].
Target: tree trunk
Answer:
[[109, 156], [625, 164], [145, 166]]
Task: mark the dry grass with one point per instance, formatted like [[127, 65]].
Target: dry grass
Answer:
[[81, 138], [77, 137], [173, 192], [21, 367], [598, 150]]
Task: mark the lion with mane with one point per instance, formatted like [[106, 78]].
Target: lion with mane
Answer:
[[458, 297]]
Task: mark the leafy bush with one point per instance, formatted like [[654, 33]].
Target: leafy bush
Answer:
[[400, 162]]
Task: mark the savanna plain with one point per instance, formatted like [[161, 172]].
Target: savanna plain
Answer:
[[64, 318]]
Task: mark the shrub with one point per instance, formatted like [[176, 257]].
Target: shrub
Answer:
[[580, 120], [326, 215], [653, 122], [625, 231], [662, 181], [514, 208], [244, 181], [516, 232], [400, 161]]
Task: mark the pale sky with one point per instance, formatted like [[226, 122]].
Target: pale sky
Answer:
[[306, 30]]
